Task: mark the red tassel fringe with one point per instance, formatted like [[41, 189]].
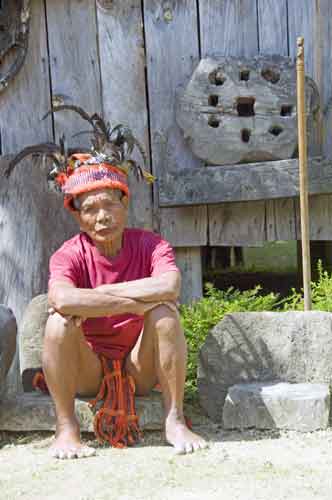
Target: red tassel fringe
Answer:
[[116, 421]]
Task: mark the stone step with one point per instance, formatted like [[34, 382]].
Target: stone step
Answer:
[[35, 412], [277, 405]]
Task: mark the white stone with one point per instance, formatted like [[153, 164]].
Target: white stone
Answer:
[[277, 405]]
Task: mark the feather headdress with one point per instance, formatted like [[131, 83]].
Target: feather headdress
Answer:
[[106, 164]]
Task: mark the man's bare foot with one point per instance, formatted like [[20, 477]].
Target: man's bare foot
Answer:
[[68, 444], [179, 436]]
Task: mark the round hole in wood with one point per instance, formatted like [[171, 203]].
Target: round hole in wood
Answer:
[[275, 130], [213, 100], [286, 110], [245, 106], [214, 122], [245, 135], [271, 75], [216, 77], [244, 75]]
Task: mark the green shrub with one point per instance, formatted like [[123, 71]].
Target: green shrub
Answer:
[[321, 294], [198, 318]]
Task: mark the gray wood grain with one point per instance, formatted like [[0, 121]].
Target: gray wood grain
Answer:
[[273, 39], [190, 264], [171, 36], [74, 64], [313, 21], [27, 97], [122, 64], [228, 27], [248, 182], [237, 224], [21, 109], [272, 27], [281, 219]]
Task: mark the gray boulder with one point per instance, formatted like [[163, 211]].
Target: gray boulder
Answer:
[[292, 347], [8, 332], [262, 405], [31, 339]]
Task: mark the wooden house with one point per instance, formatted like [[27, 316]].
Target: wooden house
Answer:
[[127, 59]]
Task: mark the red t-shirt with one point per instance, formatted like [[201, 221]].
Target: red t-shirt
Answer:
[[143, 254]]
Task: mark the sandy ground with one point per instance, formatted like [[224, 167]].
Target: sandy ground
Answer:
[[244, 466]]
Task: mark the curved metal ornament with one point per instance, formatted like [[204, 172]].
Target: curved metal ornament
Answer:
[[14, 36]]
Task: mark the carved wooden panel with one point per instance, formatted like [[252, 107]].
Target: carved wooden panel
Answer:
[[237, 110], [14, 34]]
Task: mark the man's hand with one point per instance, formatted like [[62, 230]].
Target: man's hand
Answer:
[[76, 319]]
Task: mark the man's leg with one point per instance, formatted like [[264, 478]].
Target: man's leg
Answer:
[[70, 368], [161, 355]]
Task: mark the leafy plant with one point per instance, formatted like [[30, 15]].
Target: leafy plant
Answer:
[[200, 317]]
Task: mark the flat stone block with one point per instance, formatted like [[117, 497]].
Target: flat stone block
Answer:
[[277, 405], [249, 347], [35, 412], [8, 331]]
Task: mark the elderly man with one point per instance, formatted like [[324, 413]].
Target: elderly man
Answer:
[[113, 293]]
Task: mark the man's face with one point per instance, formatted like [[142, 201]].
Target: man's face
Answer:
[[102, 214]]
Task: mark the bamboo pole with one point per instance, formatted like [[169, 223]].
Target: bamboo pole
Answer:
[[304, 199]]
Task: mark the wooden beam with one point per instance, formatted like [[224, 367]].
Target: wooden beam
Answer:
[[247, 182]]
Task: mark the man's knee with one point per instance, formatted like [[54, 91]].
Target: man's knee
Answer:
[[58, 328], [163, 319]]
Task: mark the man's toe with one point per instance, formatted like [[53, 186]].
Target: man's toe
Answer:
[[189, 447], [72, 453], [86, 451]]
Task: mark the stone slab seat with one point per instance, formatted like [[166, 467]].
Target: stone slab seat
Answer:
[[277, 405], [33, 411], [8, 331]]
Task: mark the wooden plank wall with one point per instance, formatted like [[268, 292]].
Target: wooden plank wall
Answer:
[[128, 61]]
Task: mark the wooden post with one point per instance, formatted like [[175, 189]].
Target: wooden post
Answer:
[[304, 201]]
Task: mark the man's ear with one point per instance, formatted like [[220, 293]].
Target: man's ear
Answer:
[[125, 201]]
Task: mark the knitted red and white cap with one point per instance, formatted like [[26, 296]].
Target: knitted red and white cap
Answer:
[[87, 173]]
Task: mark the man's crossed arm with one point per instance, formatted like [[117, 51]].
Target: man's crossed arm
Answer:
[[136, 297]]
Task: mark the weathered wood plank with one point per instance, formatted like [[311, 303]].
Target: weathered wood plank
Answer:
[[74, 64], [247, 182], [190, 264], [272, 27], [33, 223], [228, 27], [301, 22], [35, 412], [122, 64], [321, 32], [22, 106], [273, 39], [320, 208], [280, 219], [237, 224], [313, 21], [24, 102], [171, 35]]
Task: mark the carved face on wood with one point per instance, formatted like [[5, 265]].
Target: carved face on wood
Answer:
[[14, 32], [240, 111]]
